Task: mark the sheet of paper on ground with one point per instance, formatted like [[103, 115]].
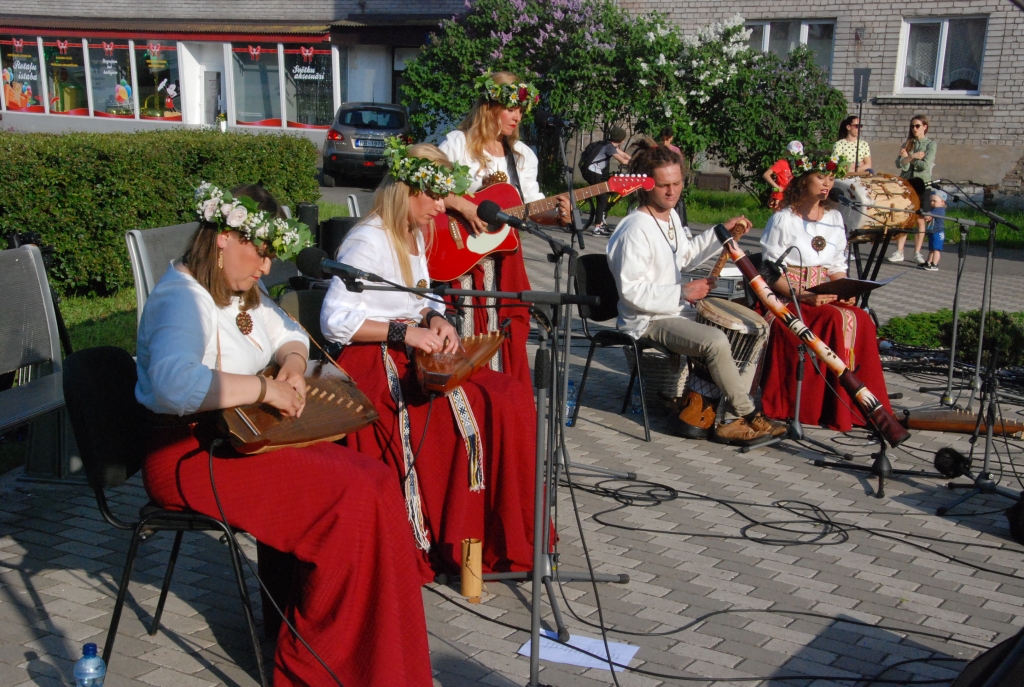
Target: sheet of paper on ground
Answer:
[[551, 650]]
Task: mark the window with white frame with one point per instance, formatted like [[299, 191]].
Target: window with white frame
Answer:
[[783, 36], [942, 55]]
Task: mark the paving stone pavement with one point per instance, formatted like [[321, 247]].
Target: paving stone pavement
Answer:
[[731, 580]]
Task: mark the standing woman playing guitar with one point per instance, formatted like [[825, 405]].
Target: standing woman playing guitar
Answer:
[[487, 141]]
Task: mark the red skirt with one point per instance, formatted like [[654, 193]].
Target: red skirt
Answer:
[[509, 275], [501, 514], [356, 599], [850, 333]]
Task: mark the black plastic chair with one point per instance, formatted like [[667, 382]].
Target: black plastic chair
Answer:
[[594, 278], [99, 390]]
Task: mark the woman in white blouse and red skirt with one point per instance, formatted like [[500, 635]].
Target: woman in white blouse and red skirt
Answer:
[[206, 333], [808, 223], [465, 461]]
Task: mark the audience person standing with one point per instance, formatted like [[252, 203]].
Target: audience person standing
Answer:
[[779, 175], [915, 160], [851, 146]]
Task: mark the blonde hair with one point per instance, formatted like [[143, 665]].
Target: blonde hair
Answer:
[[481, 124], [391, 204]]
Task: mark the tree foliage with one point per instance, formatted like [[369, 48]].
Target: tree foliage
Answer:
[[598, 65]]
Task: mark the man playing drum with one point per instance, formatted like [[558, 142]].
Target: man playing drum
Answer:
[[647, 254]]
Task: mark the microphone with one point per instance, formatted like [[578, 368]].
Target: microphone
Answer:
[[544, 118], [934, 183], [490, 212], [771, 270], [313, 262], [836, 196]]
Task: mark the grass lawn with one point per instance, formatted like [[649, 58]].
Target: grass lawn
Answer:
[[329, 210], [101, 320]]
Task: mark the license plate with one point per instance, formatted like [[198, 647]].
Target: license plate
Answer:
[[369, 143]]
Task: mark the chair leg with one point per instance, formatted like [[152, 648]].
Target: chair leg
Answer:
[[167, 582], [643, 396], [629, 388], [583, 384], [122, 592], [243, 592]]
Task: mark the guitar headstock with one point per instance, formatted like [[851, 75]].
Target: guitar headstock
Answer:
[[624, 184]]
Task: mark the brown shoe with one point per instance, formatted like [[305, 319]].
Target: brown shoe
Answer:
[[740, 432], [759, 422]]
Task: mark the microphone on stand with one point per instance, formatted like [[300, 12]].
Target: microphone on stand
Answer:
[[544, 118], [314, 262], [490, 212], [771, 270], [837, 196]]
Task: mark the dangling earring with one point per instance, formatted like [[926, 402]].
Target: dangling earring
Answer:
[[220, 259]]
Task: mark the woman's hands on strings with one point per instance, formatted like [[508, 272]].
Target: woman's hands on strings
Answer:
[[439, 337]]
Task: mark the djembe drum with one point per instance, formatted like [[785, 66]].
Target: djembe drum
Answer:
[[747, 333]]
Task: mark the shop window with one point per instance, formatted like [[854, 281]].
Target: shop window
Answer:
[[782, 37], [309, 86], [158, 80], [110, 68], [257, 76], [943, 55], [23, 88], [64, 61]]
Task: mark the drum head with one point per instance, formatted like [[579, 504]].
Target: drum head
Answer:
[[731, 316], [878, 189]]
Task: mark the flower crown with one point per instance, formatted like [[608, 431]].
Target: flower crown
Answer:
[[509, 95], [836, 165], [285, 237], [424, 174]]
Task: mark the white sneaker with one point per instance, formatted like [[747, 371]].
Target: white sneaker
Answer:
[[919, 258], [897, 256]]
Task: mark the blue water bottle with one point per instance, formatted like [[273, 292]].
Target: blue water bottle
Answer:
[[570, 403], [90, 669]]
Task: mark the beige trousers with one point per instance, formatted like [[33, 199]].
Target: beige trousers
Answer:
[[688, 338]]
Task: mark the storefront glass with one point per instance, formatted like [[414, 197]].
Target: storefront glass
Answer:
[[65, 76], [19, 58], [110, 68], [159, 84], [257, 77], [309, 86]]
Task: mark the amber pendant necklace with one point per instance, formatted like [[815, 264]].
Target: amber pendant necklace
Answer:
[[244, 323]]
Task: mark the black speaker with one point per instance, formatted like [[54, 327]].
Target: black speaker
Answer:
[[309, 214], [1000, 666], [332, 233]]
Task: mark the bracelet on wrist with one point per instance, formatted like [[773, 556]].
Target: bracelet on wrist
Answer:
[[431, 314], [263, 388], [396, 333], [302, 356]]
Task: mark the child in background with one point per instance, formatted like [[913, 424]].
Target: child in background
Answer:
[[779, 175], [936, 231]]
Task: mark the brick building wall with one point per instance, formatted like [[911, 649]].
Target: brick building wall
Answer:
[[981, 141]]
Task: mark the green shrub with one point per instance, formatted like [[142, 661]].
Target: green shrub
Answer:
[[935, 330], [1003, 331], [82, 192]]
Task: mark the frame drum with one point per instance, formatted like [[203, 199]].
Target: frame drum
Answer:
[[879, 189]]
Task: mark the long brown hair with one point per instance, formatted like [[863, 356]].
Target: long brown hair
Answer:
[[391, 204], [481, 124], [908, 146], [201, 253], [797, 190], [648, 156], [844, 126]]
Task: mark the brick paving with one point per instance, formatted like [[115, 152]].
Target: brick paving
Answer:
[[718, 594]]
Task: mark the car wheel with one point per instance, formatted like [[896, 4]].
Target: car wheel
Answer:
[[327, 180]]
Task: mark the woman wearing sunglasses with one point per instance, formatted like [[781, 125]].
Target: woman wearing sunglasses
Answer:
[[915, 160], [852, 147]]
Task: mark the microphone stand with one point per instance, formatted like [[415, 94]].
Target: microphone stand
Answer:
[[545, 567]]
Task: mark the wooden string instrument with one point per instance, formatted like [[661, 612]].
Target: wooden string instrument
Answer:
[[334, 407], [950, 420], [440, 373]]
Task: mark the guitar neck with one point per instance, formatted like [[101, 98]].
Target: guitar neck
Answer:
[[544, 204]]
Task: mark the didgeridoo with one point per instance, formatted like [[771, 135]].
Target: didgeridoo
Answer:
[[873, 410]]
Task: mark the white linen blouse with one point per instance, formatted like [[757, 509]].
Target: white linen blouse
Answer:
[[454, 146], [368, 248], [647, 272], [177, 347], [786, 228]]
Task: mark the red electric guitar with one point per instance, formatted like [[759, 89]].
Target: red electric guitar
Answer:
[[455, 249]]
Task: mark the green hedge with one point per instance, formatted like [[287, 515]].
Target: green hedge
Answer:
[[1004, 330], [82, 192]]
